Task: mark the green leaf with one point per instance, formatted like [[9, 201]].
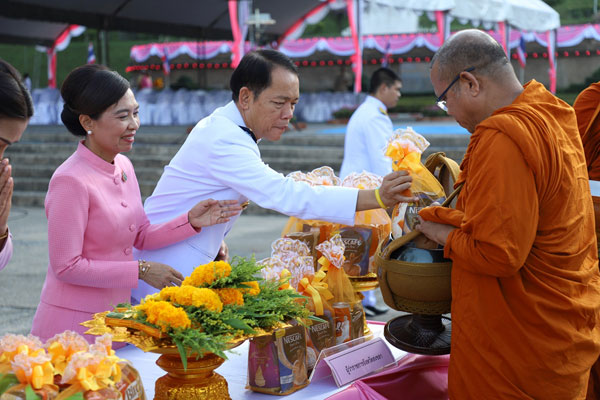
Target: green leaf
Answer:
[[182, 353], [30, 394], [6, 381], [239, 324], [76, 396]]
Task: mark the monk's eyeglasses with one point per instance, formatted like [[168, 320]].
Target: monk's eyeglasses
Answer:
[[442, 103]]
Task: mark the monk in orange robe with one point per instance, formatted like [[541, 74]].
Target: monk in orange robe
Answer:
[[525, 278], [587, 107]]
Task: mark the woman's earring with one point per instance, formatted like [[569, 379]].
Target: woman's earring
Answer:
[[89, 132]]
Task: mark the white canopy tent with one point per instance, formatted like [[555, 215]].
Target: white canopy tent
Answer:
[[503, 15]]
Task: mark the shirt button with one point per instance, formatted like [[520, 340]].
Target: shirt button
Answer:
[[124, 203], [132, 227], [127, 251], [116, 180]]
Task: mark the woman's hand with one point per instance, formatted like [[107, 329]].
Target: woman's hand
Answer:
[[210, 212], [161, 275]]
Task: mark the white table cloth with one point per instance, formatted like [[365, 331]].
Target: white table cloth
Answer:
[[235, 370]]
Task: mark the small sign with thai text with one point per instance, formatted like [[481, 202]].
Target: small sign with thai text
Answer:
[[358, 361]]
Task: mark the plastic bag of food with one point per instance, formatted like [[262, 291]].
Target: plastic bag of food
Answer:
[[405, 149]]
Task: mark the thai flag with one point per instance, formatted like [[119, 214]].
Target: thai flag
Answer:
[[91, 57], [165, 62], [521, 53]]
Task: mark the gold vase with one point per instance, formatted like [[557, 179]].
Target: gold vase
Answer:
[[198, 381]]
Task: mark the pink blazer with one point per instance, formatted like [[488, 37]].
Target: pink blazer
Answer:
[[95, 217], [6, 252]]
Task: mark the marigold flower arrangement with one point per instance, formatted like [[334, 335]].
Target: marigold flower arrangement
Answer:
[[218, 304], [62, 368]]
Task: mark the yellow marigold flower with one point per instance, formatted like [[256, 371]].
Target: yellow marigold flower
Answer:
[[193, 296], [231, 296], [208, 273], [253, 290], [167, 293], [165, 315]]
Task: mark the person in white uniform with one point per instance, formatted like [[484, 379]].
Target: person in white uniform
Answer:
[[220, 159], [367, 134]]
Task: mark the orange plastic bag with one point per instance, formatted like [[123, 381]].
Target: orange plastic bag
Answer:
[[405, 149]]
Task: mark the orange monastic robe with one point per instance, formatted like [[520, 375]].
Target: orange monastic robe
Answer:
[[587, 107], [525, 279]]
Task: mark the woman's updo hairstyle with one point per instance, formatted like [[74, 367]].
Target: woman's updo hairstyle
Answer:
[[89, 90], [15, 100]]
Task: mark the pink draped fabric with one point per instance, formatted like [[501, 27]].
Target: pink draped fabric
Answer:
[[414, 377], [357, 56], [235, 31], [567, 36]]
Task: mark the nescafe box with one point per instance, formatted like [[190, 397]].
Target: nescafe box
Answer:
[[319, 336], [277, 362]]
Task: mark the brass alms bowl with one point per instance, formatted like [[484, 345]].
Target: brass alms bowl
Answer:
[[414, 280]]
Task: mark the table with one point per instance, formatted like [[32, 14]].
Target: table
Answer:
[[235, 370]]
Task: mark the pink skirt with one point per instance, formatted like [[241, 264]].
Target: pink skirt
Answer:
[[50, 320]]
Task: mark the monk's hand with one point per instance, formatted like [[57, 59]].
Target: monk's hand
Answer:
[[434, 231], [394, 188], [223, 254], [210, 212], [161, 275], [6, 191]]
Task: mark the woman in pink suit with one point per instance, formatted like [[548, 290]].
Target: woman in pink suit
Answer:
[[16, 108], [94, 210]]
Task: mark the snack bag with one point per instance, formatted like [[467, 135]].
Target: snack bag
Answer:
[[344, 298], [405, 149], [370, 228], [291, 258], [277, 362], [321, 229], [319, 335]]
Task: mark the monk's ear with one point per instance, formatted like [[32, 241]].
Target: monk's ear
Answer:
[[245, 97], [473, 85]]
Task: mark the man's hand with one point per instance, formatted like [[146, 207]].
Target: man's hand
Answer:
[[394, 188], [434, 231], [6, 191], [210, 212]]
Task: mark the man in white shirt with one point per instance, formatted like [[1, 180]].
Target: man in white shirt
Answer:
[[367, 134], [370, 127], [220, 159]]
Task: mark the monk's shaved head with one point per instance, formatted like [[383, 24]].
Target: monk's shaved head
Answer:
[[470, 48]]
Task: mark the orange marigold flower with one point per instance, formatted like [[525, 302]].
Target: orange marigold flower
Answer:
[[231, 296], [167, 293], [165, 315], [253, 290], [208, 273], [193, 296]]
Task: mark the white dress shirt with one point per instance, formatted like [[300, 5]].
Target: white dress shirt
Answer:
[[219, 160], [367, 134]]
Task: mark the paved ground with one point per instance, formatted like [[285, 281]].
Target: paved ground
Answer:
[[22, 279]]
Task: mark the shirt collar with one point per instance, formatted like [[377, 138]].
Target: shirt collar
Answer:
[[374, 100], [233, 114], [94, 160]]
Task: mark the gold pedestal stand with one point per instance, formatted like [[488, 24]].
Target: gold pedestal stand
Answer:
[[198, 381], [363, 284]]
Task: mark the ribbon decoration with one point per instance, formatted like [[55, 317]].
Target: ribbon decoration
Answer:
[[285, 275], [317, 290]]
